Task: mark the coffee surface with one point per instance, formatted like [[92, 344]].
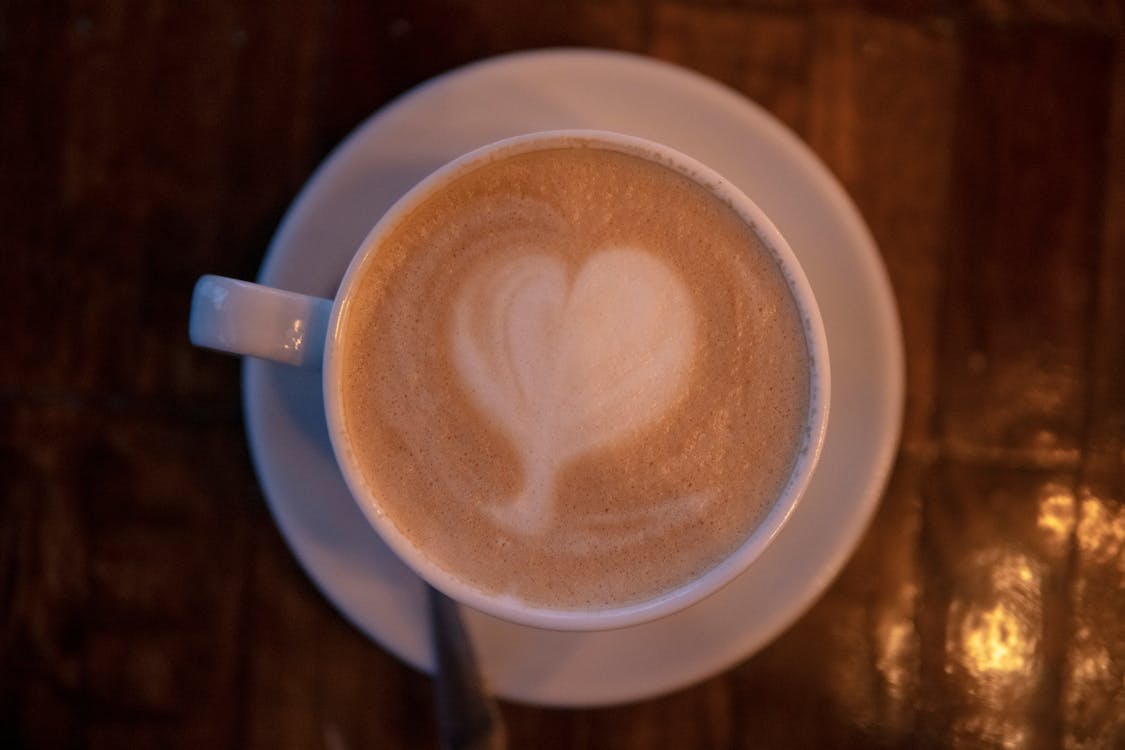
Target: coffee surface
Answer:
[[575, 377]]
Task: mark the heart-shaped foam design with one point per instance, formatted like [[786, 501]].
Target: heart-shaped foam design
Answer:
[[569, 365]]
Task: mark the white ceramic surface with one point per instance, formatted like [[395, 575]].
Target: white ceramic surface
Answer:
[[551, 89]]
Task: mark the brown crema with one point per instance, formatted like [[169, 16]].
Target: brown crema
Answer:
[[631, 519]]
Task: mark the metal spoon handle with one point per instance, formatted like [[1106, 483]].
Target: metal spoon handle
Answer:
[[468, 716]]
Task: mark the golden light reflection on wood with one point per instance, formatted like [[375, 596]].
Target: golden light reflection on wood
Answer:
[[1101, 533], [993, 641], [1000, 637], [1056, 514], [894, 657], [997, 640]]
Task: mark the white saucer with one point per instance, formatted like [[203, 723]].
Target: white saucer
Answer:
[[544, 90]]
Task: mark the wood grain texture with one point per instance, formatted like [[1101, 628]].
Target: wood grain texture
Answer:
[[1093, 701], [147, 599], [1027, 194]]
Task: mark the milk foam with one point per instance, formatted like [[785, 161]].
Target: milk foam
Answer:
[[574, 377], [569, 363]]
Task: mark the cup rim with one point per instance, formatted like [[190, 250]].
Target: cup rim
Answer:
[[505, 606]]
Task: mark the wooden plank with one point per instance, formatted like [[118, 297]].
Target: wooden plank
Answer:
[[43, 549], [312, 680], [167, 524], [125, 579], [1103, 16], [379, 50], [1025, 204], [153, 153], [993, 617], [763, 55], [33, 72], [697, 717], [1094, 704], [159, 170]]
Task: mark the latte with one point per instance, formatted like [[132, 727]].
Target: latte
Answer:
[[574, 377]]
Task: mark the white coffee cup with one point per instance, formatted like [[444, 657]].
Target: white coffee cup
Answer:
[[249, 319]]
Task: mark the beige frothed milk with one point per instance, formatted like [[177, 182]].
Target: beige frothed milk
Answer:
[[574, 377]]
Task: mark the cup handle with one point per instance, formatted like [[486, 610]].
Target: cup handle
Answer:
[[239, 317]]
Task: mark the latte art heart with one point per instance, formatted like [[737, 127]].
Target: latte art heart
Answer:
[[568, 362]]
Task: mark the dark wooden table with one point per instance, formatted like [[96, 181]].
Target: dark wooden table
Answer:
[[146, 597]]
